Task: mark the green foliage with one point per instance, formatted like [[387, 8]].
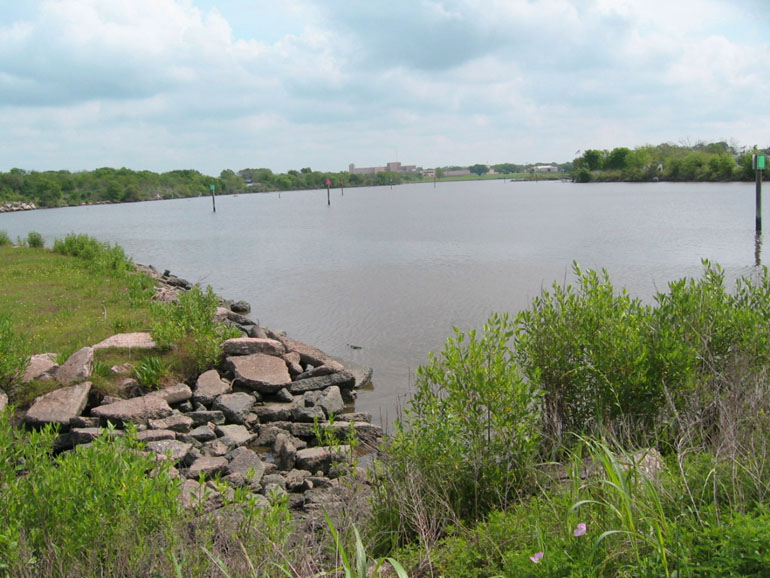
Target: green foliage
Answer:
[[13, 354], [699, 162], [35, 240], [586, 347], [188, 327], [478, 169], [93, 508], [4, 238], [100, 255], [150, 372], [472, 430]]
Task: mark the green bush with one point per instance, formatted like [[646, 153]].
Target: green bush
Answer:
[[188, 327], [35, 240], [13, 354], [4, 238], [89, 249], [586, 347], [93, 510], [471, 432]]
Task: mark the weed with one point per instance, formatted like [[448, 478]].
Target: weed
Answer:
[[35, 240], [150, 371]]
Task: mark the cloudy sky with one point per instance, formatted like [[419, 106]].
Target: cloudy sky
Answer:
[[217, 84]]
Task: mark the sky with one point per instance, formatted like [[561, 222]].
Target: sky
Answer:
[[231, 84]]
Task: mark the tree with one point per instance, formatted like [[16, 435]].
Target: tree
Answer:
[[592, 159], [479, 169], [617, 159]]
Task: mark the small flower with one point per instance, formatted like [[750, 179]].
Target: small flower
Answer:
[[537, 557], [580, 530]]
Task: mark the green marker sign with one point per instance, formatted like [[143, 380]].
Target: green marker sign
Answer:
[[212, 188], [759, 162]]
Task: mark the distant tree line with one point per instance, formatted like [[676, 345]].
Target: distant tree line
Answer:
[[109, 185], [717, 161]]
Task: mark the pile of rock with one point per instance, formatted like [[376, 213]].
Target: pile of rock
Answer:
[[254, 423], [14, 206]]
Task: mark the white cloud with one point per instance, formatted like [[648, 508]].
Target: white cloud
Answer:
[[152, 83]]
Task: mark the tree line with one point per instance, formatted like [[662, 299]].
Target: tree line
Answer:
[[718, 161], [110, 185]]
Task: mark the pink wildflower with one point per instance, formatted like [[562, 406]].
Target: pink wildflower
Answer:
[[537, 557], [580, 530]]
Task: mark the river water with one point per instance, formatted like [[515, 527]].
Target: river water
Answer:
[[393, 270]]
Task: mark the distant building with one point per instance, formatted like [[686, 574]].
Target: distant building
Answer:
[[392, 167], [546, 169], [429, 173], [457, 173]]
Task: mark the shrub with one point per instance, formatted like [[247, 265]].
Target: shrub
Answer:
[[90, 509], [472, 429], [4, 238], [188, 327], [89, 249], [586, 347], [13, 354], [35, 240]]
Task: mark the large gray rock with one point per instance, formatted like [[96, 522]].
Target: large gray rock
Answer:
[[136, 410], [285, 452], [235, 406], [59, 406], [309, 354], [234, 435], [203, 417], [77, 368], [155, 435], [342, 379], [362, 375], [174, 394], [251, 345], [207, 466], [127, 341], [331, 401], [173, 449], [204, 433], [308, 414], [41, 366], [270, 412], [321, 458], [178, 423], [209, 386], [327, 368], [264, 373], [247, 463]]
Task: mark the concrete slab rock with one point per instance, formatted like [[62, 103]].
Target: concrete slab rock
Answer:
[[247, 463], [139, 340], [209, 386], [234, 435], [136, 410], [215, 417], [41, 366], [77, 368], [207, 466], [342, 379], [251, 345], [173, 394], [178, 423], [235, 406], [263, 373], [175, 450], [59, 406]]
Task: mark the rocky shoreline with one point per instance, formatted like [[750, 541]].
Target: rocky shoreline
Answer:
[[13, 206], [275, 417]]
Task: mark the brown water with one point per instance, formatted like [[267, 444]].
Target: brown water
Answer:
[[393, 270]]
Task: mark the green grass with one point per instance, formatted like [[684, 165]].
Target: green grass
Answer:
[[62, 305]]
